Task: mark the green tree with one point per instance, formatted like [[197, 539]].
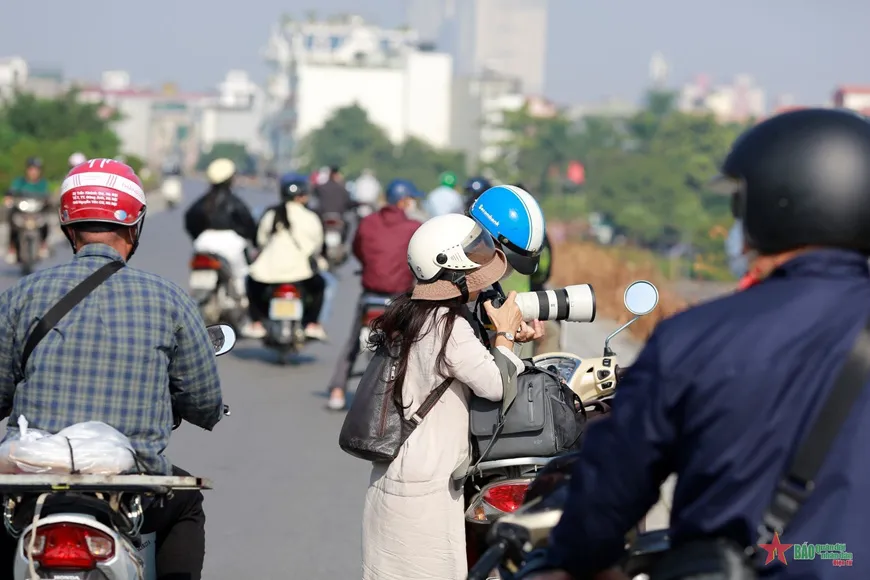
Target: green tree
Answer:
[[52, 129], [351, 141], [235, 152]]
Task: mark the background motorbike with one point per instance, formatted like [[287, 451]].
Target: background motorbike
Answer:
[[333, 228], [28, 218], [499, 488], [171, 189], [212, 286], [284, 331], [88, 527]]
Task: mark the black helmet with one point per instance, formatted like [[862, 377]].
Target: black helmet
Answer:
[[34, 162], [292, 185], [803, 179]]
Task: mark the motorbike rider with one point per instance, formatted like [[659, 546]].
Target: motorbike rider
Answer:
[[290, 239], [722, 393], [76, 159], [473, 188], [381, 246], [334, 198], [221, 223], [32, 185], [445, 199], [368, 190], [514, 219], [131, 354]]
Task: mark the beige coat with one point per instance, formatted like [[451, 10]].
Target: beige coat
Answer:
[[286, 255], [413, 521]]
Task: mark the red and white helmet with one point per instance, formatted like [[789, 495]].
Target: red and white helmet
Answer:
[[102, 190]]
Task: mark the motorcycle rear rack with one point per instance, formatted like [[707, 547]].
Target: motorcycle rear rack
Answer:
[[142, 484]]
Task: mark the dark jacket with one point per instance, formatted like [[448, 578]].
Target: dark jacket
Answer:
[[332, 197], [220, 209], [721, 395], [381, 246]]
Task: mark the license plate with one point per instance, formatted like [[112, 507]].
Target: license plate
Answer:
[[30, 223], [285, 309], [203, 279], [333, 239]]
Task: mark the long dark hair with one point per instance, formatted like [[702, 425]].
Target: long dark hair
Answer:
[[403, 325], [216, 192]]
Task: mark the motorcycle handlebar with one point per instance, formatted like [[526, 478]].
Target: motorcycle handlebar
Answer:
[[489, 561], [620, 372]]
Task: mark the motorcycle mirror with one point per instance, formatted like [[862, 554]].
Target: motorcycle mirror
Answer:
[[223, 338], [641, 297]]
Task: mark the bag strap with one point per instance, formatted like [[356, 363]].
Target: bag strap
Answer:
[[65, 304], [798, 482], [429, 402]]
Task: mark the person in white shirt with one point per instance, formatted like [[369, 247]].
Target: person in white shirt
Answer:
[[444, 199], [367, 192], [290, 239]]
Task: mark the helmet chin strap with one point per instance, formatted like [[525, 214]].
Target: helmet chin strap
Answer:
[[457, 278]]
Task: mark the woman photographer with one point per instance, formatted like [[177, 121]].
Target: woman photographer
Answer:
[[413, 521]]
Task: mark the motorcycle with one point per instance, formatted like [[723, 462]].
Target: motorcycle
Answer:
[[284, 331], [171, 190], [28, 218], [333, 228], [499, 488], [214, 290], [89, 526]]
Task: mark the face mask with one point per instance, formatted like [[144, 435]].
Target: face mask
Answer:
[[411, 206], [738, 259]]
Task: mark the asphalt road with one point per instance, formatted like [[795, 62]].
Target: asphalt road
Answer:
[[287, 501]]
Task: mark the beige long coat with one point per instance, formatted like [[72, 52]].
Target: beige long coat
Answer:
[[413, 520]]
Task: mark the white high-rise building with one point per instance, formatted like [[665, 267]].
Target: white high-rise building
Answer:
[[507, 37]]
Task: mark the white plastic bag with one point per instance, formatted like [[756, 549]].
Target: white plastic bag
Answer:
[[92, 447]]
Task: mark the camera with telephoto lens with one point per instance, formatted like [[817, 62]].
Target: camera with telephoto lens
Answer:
[[570, 304]]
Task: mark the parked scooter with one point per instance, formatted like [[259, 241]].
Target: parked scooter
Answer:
[[499, 488], [214, 290], [28, 218], [89, 526]]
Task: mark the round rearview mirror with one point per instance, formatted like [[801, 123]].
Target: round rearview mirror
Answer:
[[223, 338], [641, 297]]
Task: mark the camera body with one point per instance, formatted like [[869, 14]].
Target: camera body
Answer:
[[574, 303]]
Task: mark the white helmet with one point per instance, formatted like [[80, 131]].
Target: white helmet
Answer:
[[452, 256], [77, 159], [220, 171]]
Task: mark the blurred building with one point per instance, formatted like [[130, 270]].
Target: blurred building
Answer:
[[479, 106], [322, 66], [736, 102], [855, 97], [506, 37], [45, 83], [610, 107], [235, 115], [13, 75], [154, 124]]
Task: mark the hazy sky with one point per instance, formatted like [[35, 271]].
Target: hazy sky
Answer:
[[597, 48]]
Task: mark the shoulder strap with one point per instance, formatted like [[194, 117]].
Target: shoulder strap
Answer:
[[429, 402], [65, 304], [797, 484]]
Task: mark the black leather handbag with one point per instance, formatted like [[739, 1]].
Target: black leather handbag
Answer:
[[375, 427]]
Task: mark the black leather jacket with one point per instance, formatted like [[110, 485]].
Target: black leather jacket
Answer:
[[220, 209]]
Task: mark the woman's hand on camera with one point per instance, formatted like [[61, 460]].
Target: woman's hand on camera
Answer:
[[530, 332], [508, 318]]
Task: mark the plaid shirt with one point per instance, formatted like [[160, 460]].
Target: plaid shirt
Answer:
[[125, 355]]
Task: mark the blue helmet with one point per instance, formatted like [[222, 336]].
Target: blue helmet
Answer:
[[476, 185], [513, 217], [292, 185], [399, 189]]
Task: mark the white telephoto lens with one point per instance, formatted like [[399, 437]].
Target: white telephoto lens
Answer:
[[572, 304]]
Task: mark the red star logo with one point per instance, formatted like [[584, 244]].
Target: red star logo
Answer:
[[776, 550]]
